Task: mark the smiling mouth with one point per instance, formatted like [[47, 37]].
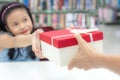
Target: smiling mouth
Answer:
[[25, 31]]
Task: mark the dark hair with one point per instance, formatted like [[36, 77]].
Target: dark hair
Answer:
[[5, 11]]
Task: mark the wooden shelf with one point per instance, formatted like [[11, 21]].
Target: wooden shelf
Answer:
[[93, 12]]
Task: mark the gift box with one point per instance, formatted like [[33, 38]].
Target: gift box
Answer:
[[60, 45]]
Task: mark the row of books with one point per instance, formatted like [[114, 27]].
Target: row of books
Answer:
[[60, 4], [110, 12], [107, 15], [112, 3], [60, 21]]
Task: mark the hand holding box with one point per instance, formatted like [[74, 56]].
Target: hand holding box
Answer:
[[60, 45]]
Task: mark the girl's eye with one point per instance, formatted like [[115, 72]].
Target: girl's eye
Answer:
[[24, 20], [15, 24]]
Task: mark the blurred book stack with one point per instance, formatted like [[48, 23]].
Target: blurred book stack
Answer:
[[61, 13]]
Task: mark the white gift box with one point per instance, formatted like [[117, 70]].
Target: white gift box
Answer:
[[60, 45]]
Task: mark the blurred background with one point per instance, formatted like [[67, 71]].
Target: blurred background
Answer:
[[60, 14]]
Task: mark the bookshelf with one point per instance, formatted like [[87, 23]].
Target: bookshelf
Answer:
[[93, 12], [7, 0], [61, 14], [2, 2], [70, 8], [109, 13]]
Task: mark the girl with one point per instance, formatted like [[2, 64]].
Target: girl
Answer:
[[16, 19]]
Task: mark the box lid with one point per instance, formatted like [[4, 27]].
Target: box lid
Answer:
[[65, 37]]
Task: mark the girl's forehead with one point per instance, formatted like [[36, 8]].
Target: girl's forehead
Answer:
[[18, 9], [17, 14]]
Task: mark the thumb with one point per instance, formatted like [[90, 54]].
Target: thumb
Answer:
[[79, 39]]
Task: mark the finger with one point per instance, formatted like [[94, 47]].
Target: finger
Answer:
[[35, 50], [38, 42], [39, 30], [79, 39], [86, 68], [71, 65], [35, 45], [81, 42]]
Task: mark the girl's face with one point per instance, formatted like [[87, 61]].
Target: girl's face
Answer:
[[19, 22]]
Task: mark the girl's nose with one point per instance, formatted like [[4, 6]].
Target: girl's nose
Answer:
[[22, 26]]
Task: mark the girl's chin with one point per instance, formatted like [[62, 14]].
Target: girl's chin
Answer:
[[26, 33]]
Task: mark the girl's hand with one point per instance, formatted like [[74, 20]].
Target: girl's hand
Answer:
[[86, 56], [36, 43]]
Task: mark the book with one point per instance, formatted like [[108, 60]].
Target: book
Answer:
[[69, 20], [82, 6], [33, 5], [88, 4], [61, 21], [26, 2], [79, 20], [56, 5], [74, 4], [94, 5], [55, 21], [70, 6], [66, 4], [42, 20], [61, 3]]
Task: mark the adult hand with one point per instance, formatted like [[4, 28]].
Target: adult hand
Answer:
[[86, 56]]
